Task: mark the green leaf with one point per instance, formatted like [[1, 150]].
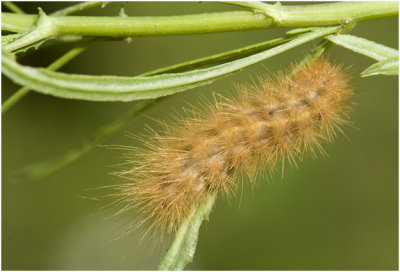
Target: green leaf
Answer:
[[183, 248], [300, 30], [388, 58], [389, 66], [363, 46], [115, 88], [34, 45], [221, 58]]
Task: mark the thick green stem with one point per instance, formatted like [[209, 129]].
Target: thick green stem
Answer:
[[43, 29], [284, 16]]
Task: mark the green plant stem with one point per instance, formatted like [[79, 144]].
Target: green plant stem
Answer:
[[13, 99], [77, 7], [182, 250], [13, 7], [53, 66], [285, 16]]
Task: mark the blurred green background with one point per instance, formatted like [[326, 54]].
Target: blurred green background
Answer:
[[336, 212]]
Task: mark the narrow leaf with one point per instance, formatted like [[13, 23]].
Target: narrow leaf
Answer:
[[115, 88], [183, 248], [389, 66], [363, 46], [222, 57]]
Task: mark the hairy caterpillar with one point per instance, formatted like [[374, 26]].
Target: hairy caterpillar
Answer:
[[283, 118]]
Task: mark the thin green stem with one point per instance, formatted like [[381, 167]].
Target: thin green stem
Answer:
[[14, 98], [77, 7], [53, 66], [284, 16], [42, 169], [13, 7]]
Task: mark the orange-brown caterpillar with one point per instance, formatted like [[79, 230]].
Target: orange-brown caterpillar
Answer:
[[278, 119]]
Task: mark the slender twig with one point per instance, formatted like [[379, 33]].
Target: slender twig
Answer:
[[14, 98], [78, 7], [44, 168], [13, 7]]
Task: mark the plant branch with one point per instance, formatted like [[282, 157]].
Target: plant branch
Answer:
[[284, 16]]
